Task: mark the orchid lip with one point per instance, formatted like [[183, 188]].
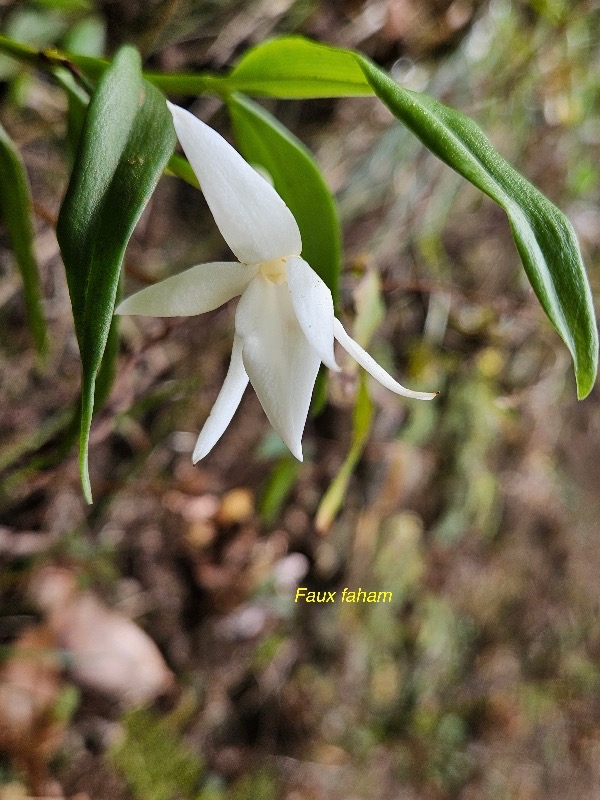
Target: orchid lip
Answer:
[[275, 270]]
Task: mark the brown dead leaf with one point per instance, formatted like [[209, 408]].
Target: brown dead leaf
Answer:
[[109, 653], [29, 688]]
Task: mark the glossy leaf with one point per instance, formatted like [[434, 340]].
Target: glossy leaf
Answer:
[[126, 141], [16, 212], [295, 67], [266, 142], [544, 236]]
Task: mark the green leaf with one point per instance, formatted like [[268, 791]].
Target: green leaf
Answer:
[[297, 178], [16, 211], [291, 66], [544, 237], [108, 366], [126, 141], [180, 168], [294, 67]]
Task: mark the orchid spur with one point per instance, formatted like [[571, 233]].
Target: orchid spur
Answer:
[[284, 323]]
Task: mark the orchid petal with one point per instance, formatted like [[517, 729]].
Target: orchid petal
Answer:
[[373, 368], [254, 220], [225, 405], [194, 291], [281, 364], [313, 306]]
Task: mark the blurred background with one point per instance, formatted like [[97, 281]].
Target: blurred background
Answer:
[[478, 511]]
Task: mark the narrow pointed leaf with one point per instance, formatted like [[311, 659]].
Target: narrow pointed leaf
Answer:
[[126, 141], [544, 236], [294, 67], [16, 213], [266, 142]]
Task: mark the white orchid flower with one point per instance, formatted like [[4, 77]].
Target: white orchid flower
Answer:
[[284, 323]]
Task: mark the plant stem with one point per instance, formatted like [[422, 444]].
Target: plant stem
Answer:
[[88, 67]]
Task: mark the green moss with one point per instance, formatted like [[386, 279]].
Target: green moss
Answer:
[[154, 762], [262, 785]]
